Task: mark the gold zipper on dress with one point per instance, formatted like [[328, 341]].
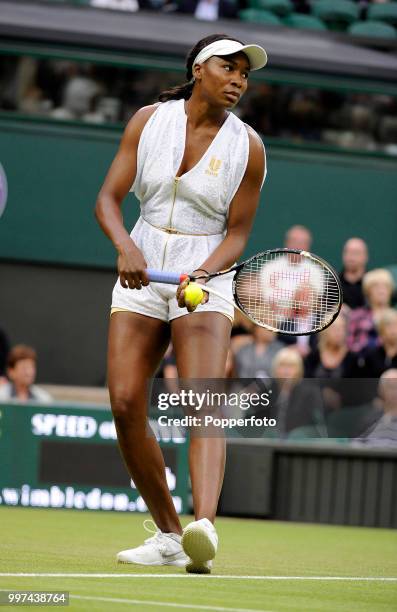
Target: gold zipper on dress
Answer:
[[175, 188], [176, 179]]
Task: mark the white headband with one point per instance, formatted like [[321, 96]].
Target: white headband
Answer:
[[256, 55]]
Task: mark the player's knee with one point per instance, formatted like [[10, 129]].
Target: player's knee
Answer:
[[129, 408]]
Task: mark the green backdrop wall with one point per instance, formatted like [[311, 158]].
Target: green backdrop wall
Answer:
[[55, 171]]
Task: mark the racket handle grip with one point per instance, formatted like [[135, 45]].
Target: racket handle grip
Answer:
[[161, 276]]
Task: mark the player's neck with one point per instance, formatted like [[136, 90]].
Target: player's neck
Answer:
[[200, 113]]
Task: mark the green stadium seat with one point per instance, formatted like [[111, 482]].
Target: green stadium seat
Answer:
[[337, 14], [375, 29], [350, 422], [306, 432], [264, 17], [384, 12], [278, 7], [305, 22]]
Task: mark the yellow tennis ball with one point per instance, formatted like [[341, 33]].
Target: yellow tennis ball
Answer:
[[193, 294]]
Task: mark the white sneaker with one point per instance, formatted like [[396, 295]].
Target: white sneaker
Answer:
[[160, 549], [200, 543]]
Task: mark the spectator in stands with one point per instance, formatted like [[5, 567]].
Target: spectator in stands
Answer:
[[384, 431], [355, 258], [378, 286], [332, 363], [332, 358], [21, 373], [254, 360], [295, 402], [80, 91], [261, 108], [304, 115], [299, 237], [377, 360], [209, 10], [36, 86]]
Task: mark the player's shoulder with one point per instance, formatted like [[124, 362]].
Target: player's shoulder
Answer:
[[255, 141], [138, 121], [143, 114], [257, 155]]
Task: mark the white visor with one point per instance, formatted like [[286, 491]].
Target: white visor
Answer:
[[257, 56]]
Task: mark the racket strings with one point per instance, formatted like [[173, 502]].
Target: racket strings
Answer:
[[288, 292]]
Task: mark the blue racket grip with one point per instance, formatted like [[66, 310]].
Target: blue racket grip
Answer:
[[161, 276]]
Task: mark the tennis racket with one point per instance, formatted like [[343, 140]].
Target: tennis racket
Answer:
[[285, 290]]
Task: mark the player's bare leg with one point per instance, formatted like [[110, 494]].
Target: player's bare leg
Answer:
[[136, 345], [201, 342]]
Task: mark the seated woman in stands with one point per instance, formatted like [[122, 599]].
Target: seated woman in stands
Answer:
[[377, 360], [21, 374], [296, 403], [378, 288], [332, 358], [332, 363]]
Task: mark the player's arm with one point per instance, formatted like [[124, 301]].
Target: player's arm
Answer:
[[120, 177], [242, 210]]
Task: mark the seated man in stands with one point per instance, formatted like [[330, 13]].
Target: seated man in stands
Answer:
[[299, 237], [355, 258], [21, 373], [255, 358], [384, 431]]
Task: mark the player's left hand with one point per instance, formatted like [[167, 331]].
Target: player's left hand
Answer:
[[180, 296]]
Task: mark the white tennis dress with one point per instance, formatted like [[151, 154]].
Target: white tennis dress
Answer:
[[182, 219]]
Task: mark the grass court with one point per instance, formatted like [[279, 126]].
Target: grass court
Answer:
[[261, 565]]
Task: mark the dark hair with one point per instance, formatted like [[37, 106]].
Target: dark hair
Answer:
[[185, 90], [19, 352]]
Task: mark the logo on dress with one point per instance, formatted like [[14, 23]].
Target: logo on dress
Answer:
[[214, 166]]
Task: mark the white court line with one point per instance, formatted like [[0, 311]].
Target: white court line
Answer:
[[145, 602], [198, 576]]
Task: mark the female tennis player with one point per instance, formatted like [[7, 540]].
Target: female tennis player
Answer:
[[197, 171]]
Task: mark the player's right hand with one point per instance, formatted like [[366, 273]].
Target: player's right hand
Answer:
[[131, 267]]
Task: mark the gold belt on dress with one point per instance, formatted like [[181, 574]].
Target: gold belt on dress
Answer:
[[172, 230]]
